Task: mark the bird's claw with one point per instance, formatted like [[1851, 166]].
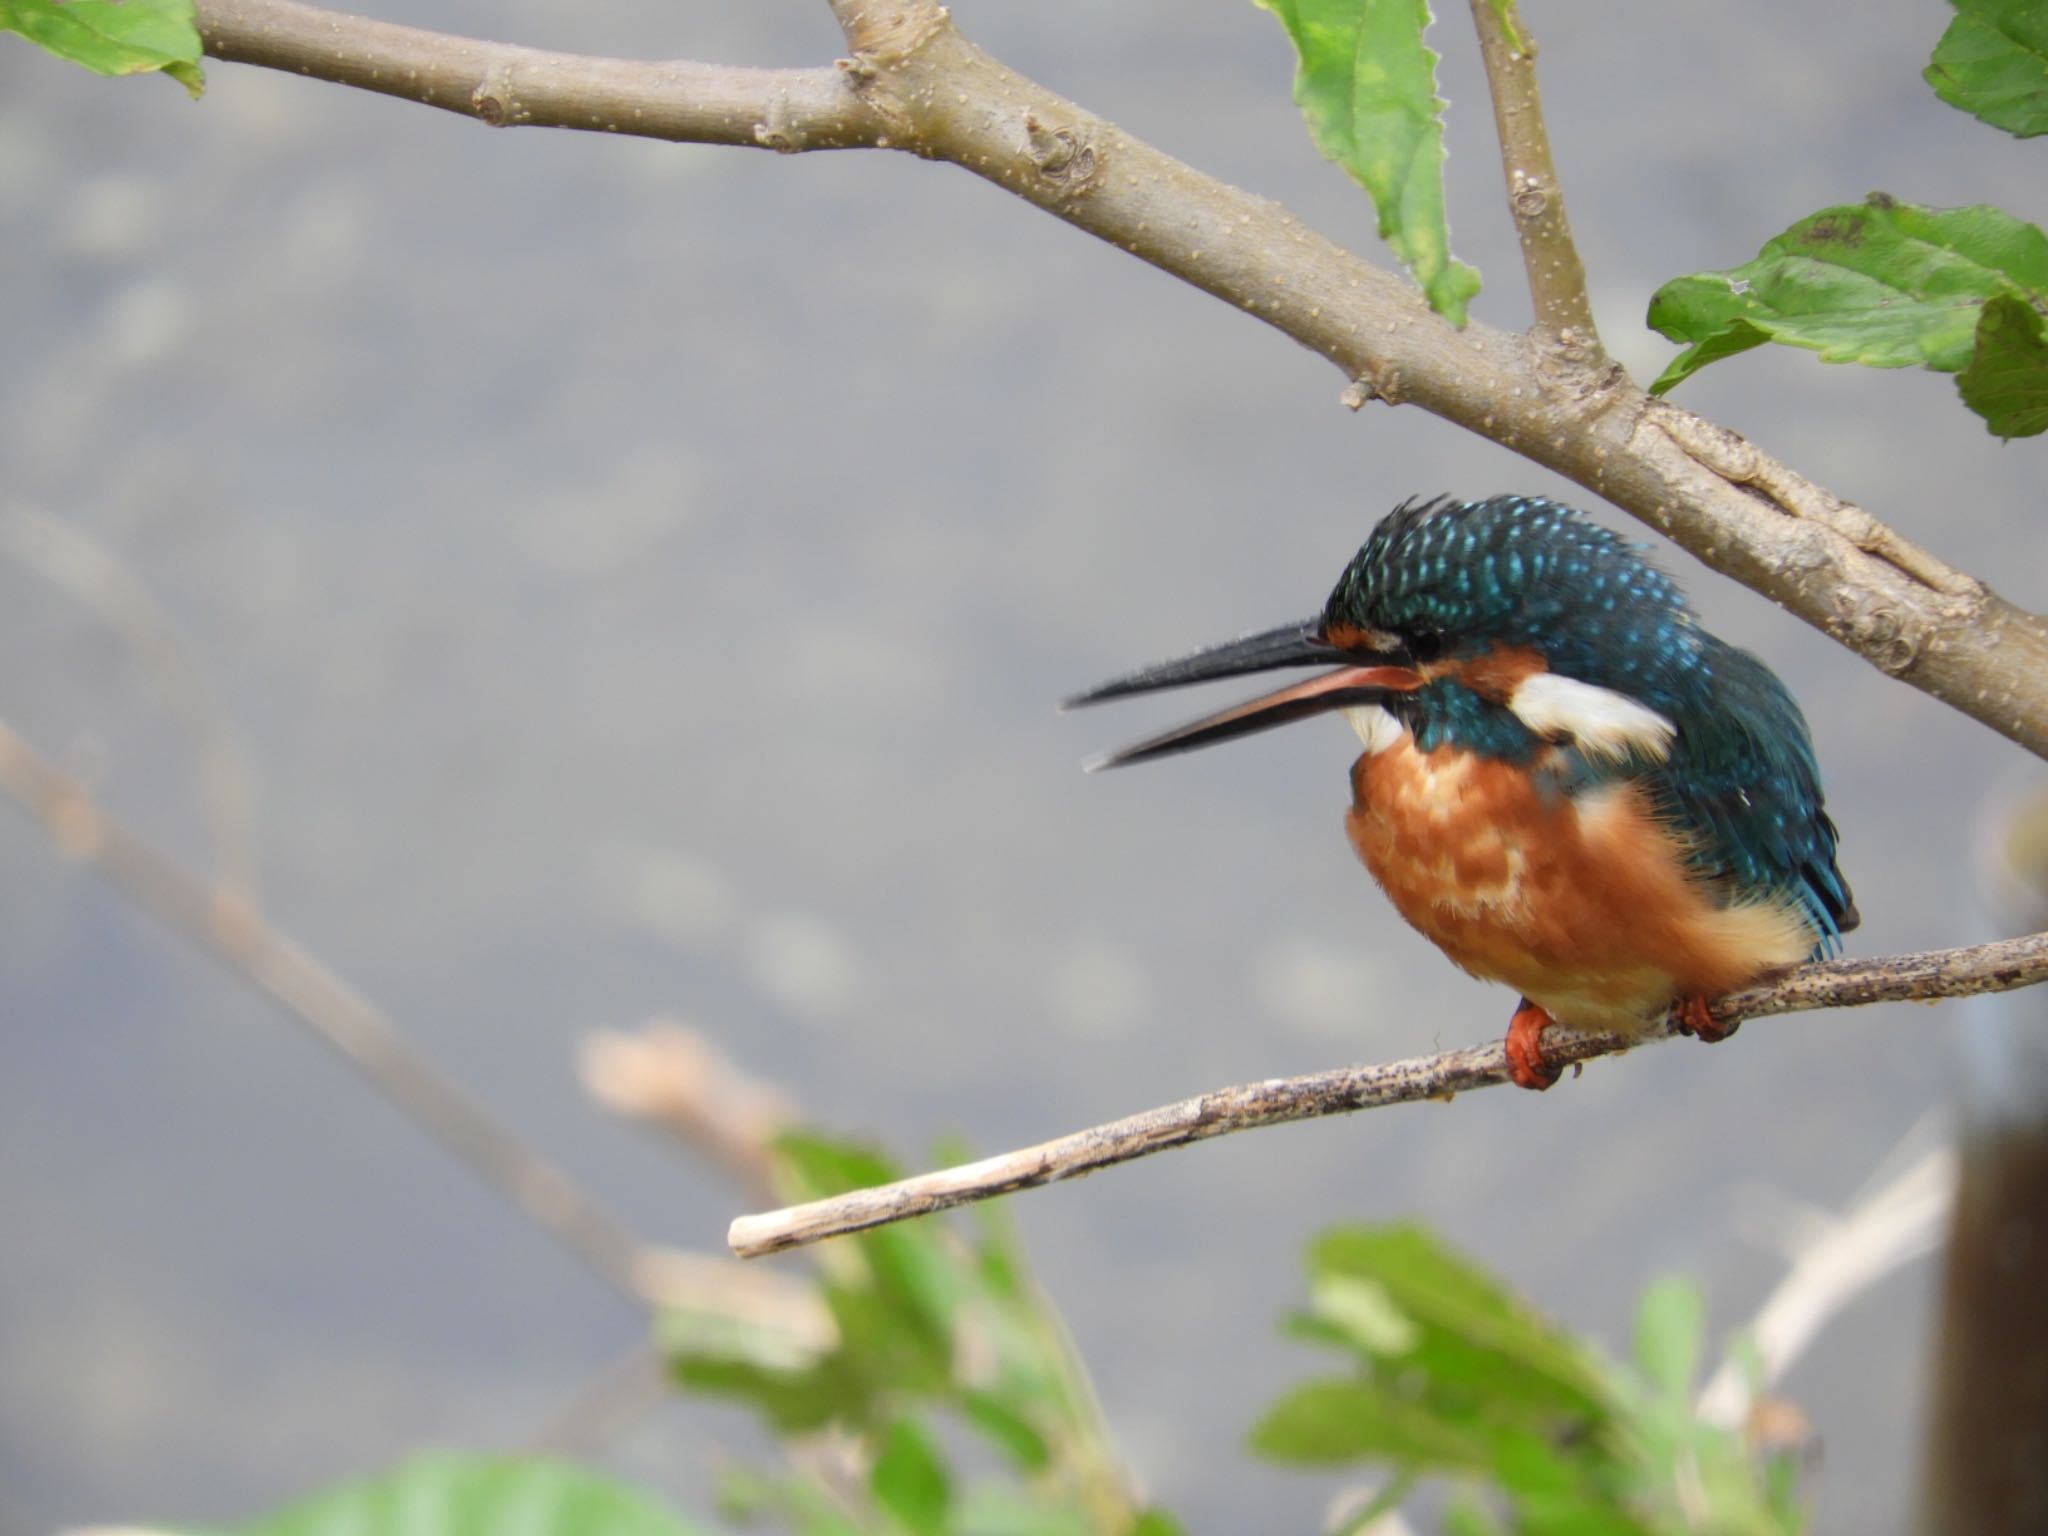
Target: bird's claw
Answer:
[[1524, 1046], [1693, 1016]]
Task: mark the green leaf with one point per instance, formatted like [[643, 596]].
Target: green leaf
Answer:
[[1475, 1333], [1009, 1431], [1669, 1325], [2006, 381], [1992, 62], [114, 37], [910, 1481], [1332, 1421], [1362, 1314], [899, 1323], [997, 1509], [1469, 1515], [1882, 283], [1366, 83], [1156, 1522], [817, 1166], [792, 1402], [448, 1495]]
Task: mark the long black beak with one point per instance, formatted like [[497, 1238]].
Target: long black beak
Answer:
[[1361, 677]]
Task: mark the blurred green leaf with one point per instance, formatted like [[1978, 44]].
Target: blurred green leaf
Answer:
[[114, 37], [2006, 381], [1670, 1324], [889, 1348], [1006, 1510], [1543, 1472], [1362, 1314], [747, 1498], [793, 1402], [744, 1495], [1586, 1518], [1469, 1515], [909, 1480], [693, 1331], [1882, 283], [1992, 62], [896, 1320], [1458, 1378], [815, 1166], [449, 1495], [1009, 1431], [1474, 1332], [1331, 1421], [1156, 1522], [1366, 83], [928, 1324]]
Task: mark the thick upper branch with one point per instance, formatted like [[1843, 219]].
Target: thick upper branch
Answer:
[[916, 84], [1940, 973], [504, 85]]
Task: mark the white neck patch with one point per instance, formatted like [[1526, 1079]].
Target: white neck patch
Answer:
[[1376, 727], [1600, 721]]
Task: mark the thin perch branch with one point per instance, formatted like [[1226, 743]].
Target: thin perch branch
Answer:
[[1557, 278], [1923, 977]]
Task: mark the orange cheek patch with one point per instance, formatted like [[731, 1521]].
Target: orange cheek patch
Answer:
[[1498, 673]]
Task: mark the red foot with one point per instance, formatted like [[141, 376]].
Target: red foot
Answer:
[[1691, 1016], [1525, 1048]]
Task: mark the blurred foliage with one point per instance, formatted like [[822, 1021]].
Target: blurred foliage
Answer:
[[113, 37], [950, 1402], [1452, 1377], [447, 1495]]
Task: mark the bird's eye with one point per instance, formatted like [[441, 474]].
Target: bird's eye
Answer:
[[1425, 647]]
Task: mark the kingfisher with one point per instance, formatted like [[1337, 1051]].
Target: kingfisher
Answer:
[[1568, 784]]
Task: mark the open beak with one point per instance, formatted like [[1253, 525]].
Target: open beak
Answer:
[[1360, 677]]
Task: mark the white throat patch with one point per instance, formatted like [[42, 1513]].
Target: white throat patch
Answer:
[[1600, 721], [1376, 727]]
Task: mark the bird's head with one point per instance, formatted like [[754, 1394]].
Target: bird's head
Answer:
[[1513, 620]]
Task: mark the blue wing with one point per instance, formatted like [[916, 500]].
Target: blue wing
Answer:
[[1742, 782]]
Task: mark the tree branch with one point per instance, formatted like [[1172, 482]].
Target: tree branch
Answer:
[[1923, 977], [881, 29], [355, 1028], [915, 83], [1557, 278], [1831, 1266], [508, 86]]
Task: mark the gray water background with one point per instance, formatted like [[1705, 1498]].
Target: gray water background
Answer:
[[640, 576]]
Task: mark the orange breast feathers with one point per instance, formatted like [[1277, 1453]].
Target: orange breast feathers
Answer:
[[1584, 906]]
